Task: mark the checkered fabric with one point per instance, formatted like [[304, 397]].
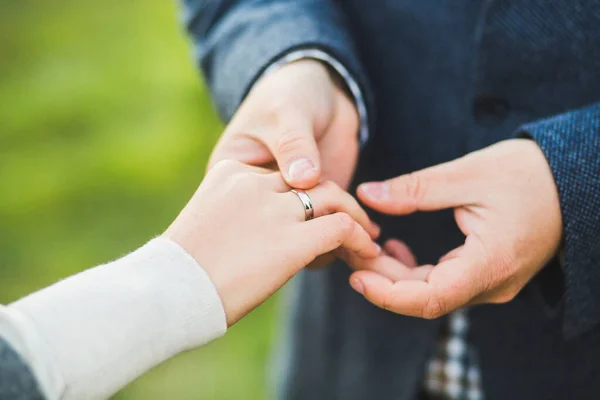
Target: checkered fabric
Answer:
[[453, 372]]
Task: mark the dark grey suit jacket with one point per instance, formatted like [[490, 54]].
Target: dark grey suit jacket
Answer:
[[442, 78]]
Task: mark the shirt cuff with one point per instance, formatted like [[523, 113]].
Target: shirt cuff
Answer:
[[320, 55], [89, 335]]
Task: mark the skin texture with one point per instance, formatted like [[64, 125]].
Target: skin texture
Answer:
[[298, 120], [506, 203], [248, 232]]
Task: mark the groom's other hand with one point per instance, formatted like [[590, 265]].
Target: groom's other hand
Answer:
[[506, 203], [298, 118]]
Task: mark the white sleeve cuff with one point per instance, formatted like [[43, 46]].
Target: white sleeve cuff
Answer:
[[340, 69], [89, 335]]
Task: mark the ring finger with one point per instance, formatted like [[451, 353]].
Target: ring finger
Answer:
[[328, 198]]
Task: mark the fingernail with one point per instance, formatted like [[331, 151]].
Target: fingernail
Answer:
[[376, 228], [378, 247], [375, 190], [301, 168], [357, 285]]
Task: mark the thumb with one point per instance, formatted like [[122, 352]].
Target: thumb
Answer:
[[242, 148], [446, 185], [294, 147], [281, 134]]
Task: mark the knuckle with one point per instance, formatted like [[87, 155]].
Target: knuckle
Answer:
[[339, 227], [248, 178], [330, 187], [345, 225], [242, 182], [291, 141], [227, 165], [345, 222], [415, 188], [410, 187]]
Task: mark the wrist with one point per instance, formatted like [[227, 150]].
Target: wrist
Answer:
[[298, 72]]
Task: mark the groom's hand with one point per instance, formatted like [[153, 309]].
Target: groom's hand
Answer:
[[299, 119], [507, 205]]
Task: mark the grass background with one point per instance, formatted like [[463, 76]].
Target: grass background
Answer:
[[105, 129]]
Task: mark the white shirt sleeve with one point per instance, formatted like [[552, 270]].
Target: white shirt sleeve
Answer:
[[91, 334], [340, 69]]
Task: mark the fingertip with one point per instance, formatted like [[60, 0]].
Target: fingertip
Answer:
[[378, 249], [373, 251], [357, 274], [374, 190], [361, 194], [390, 245], [302, 173], [368, 252], [374, 230], [374, 195], [357, 285]]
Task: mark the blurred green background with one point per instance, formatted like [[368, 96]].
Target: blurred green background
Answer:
[[105, 129]]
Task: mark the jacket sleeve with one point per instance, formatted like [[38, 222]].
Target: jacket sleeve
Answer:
[[16, 379], [235, 41], [571, 144]]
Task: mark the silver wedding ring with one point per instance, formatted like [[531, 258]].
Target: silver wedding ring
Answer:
[[309, 211]]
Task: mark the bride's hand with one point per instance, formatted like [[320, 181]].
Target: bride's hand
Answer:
[[248, 231]]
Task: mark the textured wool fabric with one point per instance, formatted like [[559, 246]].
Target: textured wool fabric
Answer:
[[89, 335], [571, 143], [231, 71]]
